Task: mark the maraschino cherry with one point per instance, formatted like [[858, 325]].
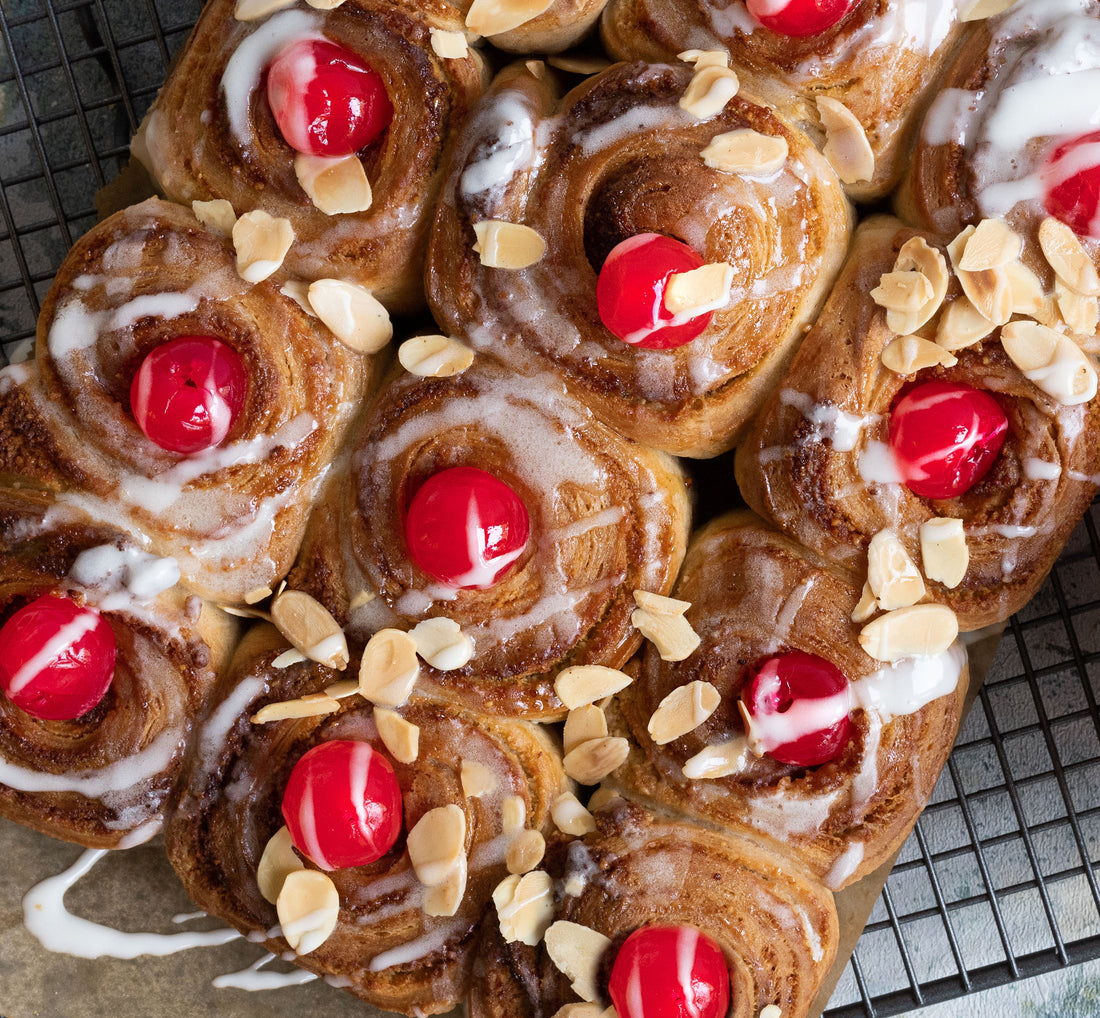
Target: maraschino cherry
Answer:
[[466, 527], [1071, 184], [57, 658], [188, 392], [342, 804], [799, 17], [326, 101], [797, 709], [630, 291], [670, 972], [945, 437]]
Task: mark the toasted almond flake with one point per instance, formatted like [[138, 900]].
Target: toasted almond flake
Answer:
[[592, 761], [442, 644], [445, 897], [492, 17], [389, 668], [525, 852], [477, 779], [892, 573], [917, 255], [257, 595], [658, 604], [352, 312], [908, 632], [746, 152], [774, 1010], [277, 861], [310, 627], [343, 688], [536, 68], [711, 88], [434, 356], [577, 951], [583, 684], [335, 186], [217, 215], [1080, 313], [298, 291], [944, 553], [253, 10], [570, 816], [244, 613], [969, 10], [400, 737], [324, 5], [902, 291], [308, 907], [1027, 290], [261, 242], [301, 708], [718, 760], [436, 842], [683, 710], [1051, 361], [504, 245], [581, 724], [513, 814], [601, 797], [705, 57], [672, 635], [288, 658], [525, 906], [700, 290], [1067, 256], [364, 597], [992, 245], [847, 149], [989, 290], [962, 325], [580, 1009], [573, 63], [449, 45], [907, 355], [868, 604]]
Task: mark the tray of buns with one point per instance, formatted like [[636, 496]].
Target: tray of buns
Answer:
[[544, 508]]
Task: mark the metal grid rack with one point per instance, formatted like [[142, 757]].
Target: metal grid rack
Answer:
[[997, 882]]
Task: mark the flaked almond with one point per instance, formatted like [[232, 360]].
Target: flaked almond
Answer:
[[298, 291], [253, 10], [893, 575], [477, 779], [310, 628], [1027, 290], [570, 816], [257, 595], [705, 57], [324, 5], [774, 1010], [602, 797], [277, 862], [1051, 361], [1080, 313], [536, 68], [992, 245], [583, 684], [577, 951], [672, 635], [578, 63], [352, 312], [441, 642], [217, 215], [400, 737], [502, 245], [580, 1009], [343, 688], [445, 898], [335, 186], [711, 88], [436, 842], [746, 152], [301, 708], [659, 604], [513, 814], [492, 17], [969, 10], [261, 242], [718, 760], [943, 550], [525, 906], [389, 668], [449, 45], [917, 255], [525, 852], [293, 656], [988, 290], [308, 907], [902, 291], [907, 355], [364, 597], [434, 356], [700, 290], [847, 149], [1067, 256], [581, 724], [592, 761], [910, 632], [867, 606], [683, 710], [961, 325]]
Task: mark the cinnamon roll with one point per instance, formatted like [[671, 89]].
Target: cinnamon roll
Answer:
[[334, 120], [105, 662], [402, 926], [497, 501], [663, 259], [175, 399]]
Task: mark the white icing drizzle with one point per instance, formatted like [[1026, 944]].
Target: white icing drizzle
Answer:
[[509, 128], [435, 939], [830, 423], [845, 865], [121, 575], [1036, 469], [906, 686], [253, 979], [877, 464]]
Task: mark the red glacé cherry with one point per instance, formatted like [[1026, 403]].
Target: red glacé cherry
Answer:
[[799, 17], [799, 708], [945, 437], [342, 804], [466, 527], [1071, 184], [188, 392], [670, 972], [57, 658], [326, 101], [630, 291]]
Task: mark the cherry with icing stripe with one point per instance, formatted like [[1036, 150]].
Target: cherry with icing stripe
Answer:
[[342, 804], [57, 658], [630, 292], [1071, 184], [188, 392], [670, 972], [945, 437], [326, 100], [465, 527], [799, 17], [797, 709]]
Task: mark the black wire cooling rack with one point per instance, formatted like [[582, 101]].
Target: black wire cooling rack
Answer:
[[997, 882]]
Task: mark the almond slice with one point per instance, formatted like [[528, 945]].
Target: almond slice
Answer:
[[969, 10], [711, 88], [492, 17], [441, 642], [445, 897], [774, 1010], [504, 245], [910, 632], [335, 186], [683, 710], [389, 668], [217, 215], [449, 45], [253, 10], [578, 63], [577, 951], [659, 604], [962, 325], [705, 57], [602, 797], [513, 814], [581, 724], [907, 355], [592, 761], [579, 685], [352, 312], [298, 291], [477, 779], [902, 291], [341, 689], [746, 152], [525, 906], [993, 244], [288, 658], [308, 907], [570, 816], [700, 290], [672, 635], [277, 862], [847, 149], [943, 550], [892, 573], [988, 290], [436, 842], [917, 255], [400, 737], [525, 852], [1027, 291], [1052, 361], [434, 356], [1080, 313], [579, 1009], [868, 604], [310, 628], [1067, 256], [261, 242], [718, 760], [324, 5], [301, 708]]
